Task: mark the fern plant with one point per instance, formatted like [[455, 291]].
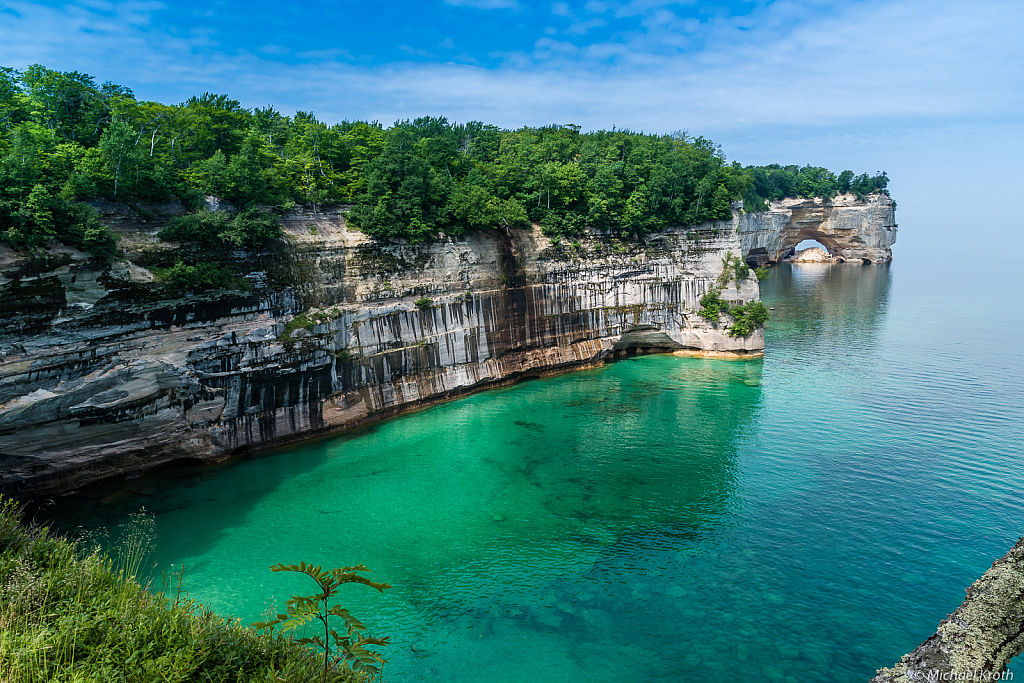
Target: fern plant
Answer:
[[350, 647]]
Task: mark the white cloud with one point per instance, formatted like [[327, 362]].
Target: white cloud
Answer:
[[415, 52], [447, 44], [325, 55], [485, 4], [546, 48], [274, 49], [581, 27], [560, 8], [868, 66]]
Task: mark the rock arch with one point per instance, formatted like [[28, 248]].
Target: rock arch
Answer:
[[850, 229]]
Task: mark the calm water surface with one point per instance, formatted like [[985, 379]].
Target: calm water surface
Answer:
[[808, 517]]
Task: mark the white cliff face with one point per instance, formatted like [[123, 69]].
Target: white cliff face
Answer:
[[100, 376], [851, 229]]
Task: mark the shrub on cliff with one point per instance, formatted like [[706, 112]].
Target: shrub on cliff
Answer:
[[43, 216], [249, 228], [71, 614], [200, 277], [748, 318], [712, 305]]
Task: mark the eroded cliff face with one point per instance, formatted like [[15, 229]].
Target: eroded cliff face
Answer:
[[102, 375], [851, 229]]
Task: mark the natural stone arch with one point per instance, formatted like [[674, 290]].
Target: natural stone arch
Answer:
[[829, 243], [849, 228]]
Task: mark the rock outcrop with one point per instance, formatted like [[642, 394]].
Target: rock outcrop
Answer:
[[103, 373], [849, 228], [976, 642], [812, 255]]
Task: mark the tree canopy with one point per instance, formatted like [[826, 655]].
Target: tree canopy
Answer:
[[65, 139]]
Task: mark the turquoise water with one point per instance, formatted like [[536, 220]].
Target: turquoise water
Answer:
[[808, 517]]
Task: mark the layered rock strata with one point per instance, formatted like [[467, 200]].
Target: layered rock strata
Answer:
[[977, 641], [103, 375], [851, 229]]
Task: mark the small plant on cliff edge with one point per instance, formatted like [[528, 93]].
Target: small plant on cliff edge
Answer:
[[761, 273], [423, 303], [350, 648], [712, 305], [748, 318], [741, 268]]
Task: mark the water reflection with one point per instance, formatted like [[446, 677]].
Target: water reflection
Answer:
[[810, 295]]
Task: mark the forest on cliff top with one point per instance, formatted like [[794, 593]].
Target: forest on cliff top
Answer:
[[65, 140]]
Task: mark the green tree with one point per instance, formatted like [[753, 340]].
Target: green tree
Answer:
[[13, 103], [210, 176], [212, 123], [118, 145], [843, 182], [69, 104], [349, 648], [748, 318], [245, 181]]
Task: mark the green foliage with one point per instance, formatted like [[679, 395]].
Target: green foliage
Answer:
[[748, 318], [299, 322], [201, 277], [761, 273], [118, 146], [309, 320], [204, 227], [423, 303], [740, 268], [67, 133], [43, 216], [71, 613], [732, 267], [249, 228], [774, 182], [712, 305], [348, 649]]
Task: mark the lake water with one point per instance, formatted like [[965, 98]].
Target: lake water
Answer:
[[806, 517]]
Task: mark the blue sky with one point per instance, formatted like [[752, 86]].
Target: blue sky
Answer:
[[930, 91]]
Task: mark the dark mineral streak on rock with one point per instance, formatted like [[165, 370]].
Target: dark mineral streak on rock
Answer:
[[107, 373], [980, 637]]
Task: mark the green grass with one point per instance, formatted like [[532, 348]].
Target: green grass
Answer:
[[72, 613]]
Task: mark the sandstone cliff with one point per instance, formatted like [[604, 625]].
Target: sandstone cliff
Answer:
[[101, 374], [851, 229]]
